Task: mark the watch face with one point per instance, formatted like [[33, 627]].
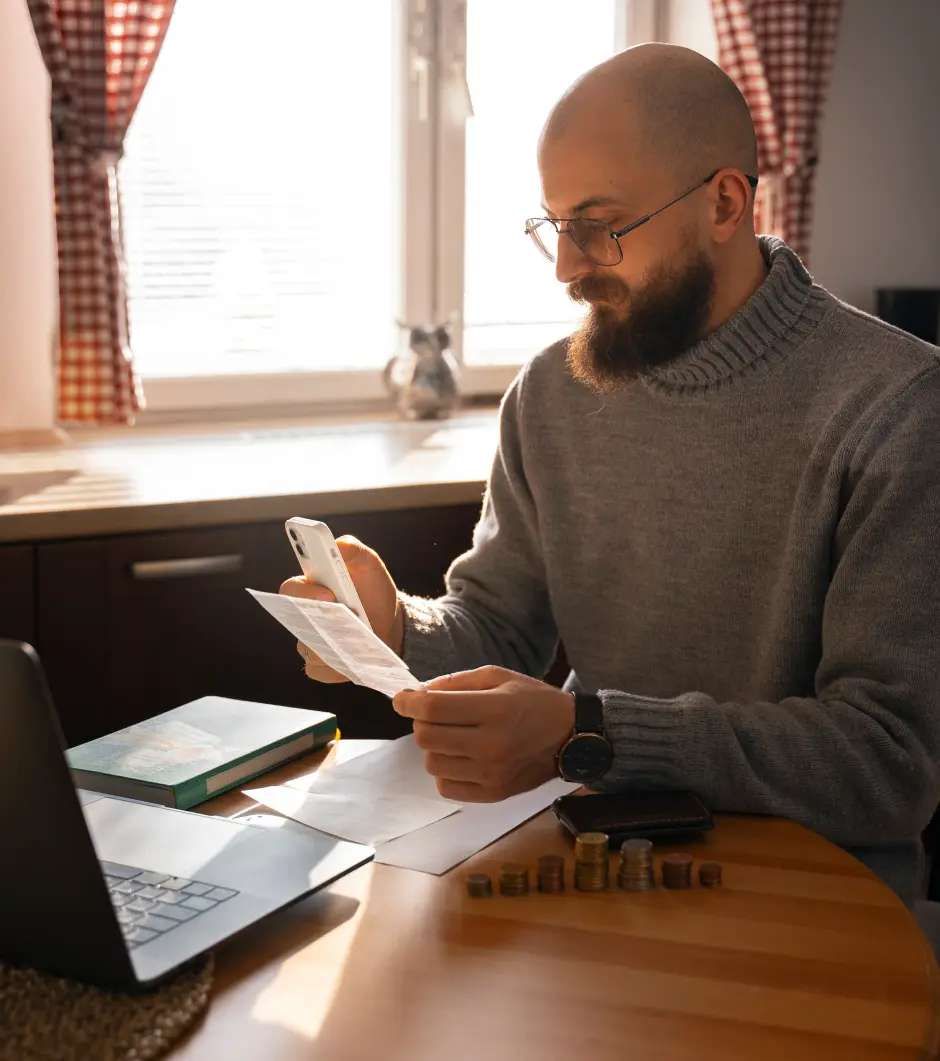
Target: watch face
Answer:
[[585, 758]]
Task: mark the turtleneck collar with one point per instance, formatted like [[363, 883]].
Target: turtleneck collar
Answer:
[[774, 320]]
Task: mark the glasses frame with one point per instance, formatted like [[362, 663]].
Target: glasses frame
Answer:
[[615, 234]]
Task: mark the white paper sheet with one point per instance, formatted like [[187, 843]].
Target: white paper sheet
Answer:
[[340, 640], [353, 815], [396, 772]]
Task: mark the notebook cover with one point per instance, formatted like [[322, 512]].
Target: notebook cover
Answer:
[[175, 756]]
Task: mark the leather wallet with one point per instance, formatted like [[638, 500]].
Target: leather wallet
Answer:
[[623, 815]]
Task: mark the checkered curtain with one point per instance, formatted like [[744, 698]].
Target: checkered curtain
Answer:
[[779, 53], [99, 54]]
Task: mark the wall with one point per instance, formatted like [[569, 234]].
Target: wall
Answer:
[[27, 232], [877, 211], [877, 216]]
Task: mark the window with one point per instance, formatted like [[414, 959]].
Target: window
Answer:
[[302, 175], [258, 190], [519, 61]]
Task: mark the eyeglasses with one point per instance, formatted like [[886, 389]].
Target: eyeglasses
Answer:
[[596, 240]]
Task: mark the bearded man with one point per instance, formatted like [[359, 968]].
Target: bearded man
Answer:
[[722, 494]]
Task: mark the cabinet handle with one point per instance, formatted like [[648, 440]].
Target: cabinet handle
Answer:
[[191, 567]]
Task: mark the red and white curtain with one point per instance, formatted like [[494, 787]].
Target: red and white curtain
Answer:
[[99, 54], [780, 53]]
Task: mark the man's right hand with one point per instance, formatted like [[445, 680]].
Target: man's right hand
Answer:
[[376, 590]]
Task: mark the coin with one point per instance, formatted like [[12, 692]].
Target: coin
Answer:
[[479, 885], [591, 878], [636, 866], [709, 874], [551, 874], [591, 847], [677, 870], [514, 879]]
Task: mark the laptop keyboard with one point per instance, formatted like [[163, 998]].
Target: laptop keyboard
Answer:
[[151, 904]]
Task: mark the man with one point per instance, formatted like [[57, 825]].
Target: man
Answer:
[[722, 493]]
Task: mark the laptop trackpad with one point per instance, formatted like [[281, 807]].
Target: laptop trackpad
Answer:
[[264, 862]]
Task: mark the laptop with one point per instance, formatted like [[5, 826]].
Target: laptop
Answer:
[[118, 892]]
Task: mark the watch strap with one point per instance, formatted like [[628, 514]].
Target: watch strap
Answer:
[[588, 714]]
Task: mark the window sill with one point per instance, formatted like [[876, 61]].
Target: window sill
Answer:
[[315, 394], [169, 476]]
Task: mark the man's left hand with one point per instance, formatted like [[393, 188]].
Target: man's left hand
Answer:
[[488, 733]]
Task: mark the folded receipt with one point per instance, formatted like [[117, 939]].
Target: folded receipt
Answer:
[[340, 640]]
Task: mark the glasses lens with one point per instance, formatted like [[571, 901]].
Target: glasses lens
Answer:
[[593, 240], [544, 235]]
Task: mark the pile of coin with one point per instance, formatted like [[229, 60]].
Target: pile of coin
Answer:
[[591, 870], [591, 864], [709, 874], [636, 866], [677, 871], [514, 879], [551, 874], [479, 885]]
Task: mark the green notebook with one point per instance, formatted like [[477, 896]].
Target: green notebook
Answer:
[[196, 751]]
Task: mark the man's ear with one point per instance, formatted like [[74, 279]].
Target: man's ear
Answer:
[[731, 196]]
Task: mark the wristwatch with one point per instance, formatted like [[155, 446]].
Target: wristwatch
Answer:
[[587, 755]]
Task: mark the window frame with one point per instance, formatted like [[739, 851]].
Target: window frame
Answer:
[[429, 167]]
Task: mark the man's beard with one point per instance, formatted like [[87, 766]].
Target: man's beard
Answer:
[[627, 333]]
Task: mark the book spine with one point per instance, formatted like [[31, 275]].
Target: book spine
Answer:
[[191, 792], [109, 785]]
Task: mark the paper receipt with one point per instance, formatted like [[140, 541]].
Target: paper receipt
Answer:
[[340, 640]]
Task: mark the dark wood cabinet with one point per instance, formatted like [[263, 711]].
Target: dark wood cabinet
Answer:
[[17, 593], [131, 626]]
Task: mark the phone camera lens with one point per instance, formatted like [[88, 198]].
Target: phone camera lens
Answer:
[[300, 550], [293, 533]]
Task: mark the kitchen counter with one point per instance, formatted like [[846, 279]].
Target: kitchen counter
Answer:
[[153, 479]]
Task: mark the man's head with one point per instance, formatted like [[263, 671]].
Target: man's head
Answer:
[[627, 138]]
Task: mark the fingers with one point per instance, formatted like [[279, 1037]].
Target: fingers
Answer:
[[354, 552], [300, 587], [350, 546], [449, 709], [465, 791], [315, 668], [451, 740], [479, 679], [455, 768]]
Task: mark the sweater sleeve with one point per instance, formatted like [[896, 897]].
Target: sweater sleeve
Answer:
[[857, 762], [496, 609]]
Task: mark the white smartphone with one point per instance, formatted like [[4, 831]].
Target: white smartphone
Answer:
[[322, 562]]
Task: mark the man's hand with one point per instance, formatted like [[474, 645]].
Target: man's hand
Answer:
[[488, 733], [376, 590]]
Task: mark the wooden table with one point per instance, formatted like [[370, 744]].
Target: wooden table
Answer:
[[802, 954]]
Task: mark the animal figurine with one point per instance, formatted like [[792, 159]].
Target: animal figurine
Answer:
[[423, 381]]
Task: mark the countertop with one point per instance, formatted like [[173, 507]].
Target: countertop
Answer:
[[148, 479]]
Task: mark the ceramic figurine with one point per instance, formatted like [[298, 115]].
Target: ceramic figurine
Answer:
[[423, 381]]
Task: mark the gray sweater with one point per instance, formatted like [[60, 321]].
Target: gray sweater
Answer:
[[741, 555]]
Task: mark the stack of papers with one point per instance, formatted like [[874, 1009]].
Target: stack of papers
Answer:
[[384, 798], [387, 799]]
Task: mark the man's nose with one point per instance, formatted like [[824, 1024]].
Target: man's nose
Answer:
[[572, 263]]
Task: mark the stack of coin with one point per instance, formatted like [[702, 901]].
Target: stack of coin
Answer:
[[514, 879], [709, 874], [677, 871], [636, 866], [551, 874], [479, 885], [591, 865]]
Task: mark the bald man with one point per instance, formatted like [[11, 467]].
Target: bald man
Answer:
[[722, 494]]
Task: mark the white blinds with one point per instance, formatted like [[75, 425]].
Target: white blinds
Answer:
[[257, 187]]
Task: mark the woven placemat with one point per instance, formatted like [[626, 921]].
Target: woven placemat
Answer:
[[46, 1018]]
